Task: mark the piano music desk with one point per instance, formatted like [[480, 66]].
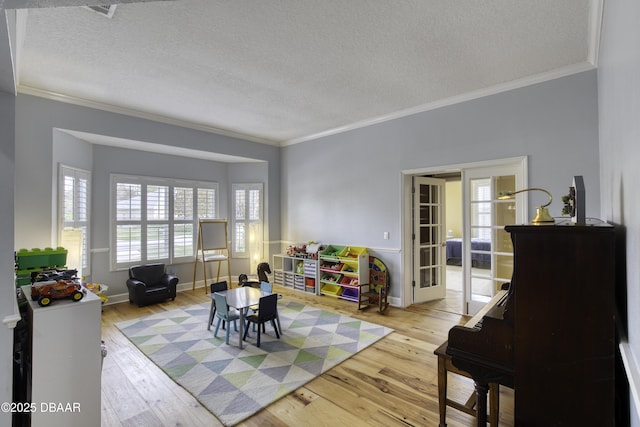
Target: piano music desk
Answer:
[[444, 366]]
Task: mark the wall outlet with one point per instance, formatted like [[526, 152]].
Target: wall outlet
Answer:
[[385, 235]]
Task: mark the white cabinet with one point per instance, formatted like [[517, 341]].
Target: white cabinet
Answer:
[[65, 361], [344, 271], [294, 272]]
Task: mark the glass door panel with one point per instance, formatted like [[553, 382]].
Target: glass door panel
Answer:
[[502, 240], [429, 245], [479, 245], [504, 268], [488, 252], [504, 184]]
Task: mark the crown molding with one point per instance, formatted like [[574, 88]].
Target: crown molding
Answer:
[[41, 93], [32, 4], [499, 88], [595, 30]]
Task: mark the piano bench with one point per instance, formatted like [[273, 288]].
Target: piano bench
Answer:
[[444, 366]]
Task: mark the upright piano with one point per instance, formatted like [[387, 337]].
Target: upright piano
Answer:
[[553, 339]]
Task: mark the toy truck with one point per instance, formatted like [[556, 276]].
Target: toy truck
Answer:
[[46, 292]]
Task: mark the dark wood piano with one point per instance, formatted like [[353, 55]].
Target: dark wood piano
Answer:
[[553, 339]]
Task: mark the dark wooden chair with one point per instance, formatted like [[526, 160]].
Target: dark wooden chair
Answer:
[[267, 312], [264, 287], [213, 288]]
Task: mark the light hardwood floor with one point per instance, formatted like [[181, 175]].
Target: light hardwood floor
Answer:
[[392, 383]]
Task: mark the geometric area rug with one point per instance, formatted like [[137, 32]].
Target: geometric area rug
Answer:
[[234, 384]]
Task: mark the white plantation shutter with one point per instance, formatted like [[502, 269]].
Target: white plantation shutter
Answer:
[[128, 222], [247, 216], [206, 203], [73, 207], [157, 222], [156, 218], [183, 220]]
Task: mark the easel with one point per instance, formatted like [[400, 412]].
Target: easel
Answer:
[[212, 236]]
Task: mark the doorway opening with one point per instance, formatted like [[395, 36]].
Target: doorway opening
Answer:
[[466, 241], [453, 300]]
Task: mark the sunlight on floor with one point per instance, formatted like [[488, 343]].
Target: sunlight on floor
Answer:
[[453, 302]]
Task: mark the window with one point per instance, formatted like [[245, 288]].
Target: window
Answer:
[[73, 215], [156, 219], [247, 222]]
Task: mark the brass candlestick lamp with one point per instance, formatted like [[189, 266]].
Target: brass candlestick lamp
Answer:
[[542, 213]]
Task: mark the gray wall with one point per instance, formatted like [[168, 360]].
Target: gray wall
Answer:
[[346, 188], [36, 170], [69, 151], [7, 285], [619, 108]]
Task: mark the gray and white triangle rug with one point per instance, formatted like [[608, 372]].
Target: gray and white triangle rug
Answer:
[[234, 384]]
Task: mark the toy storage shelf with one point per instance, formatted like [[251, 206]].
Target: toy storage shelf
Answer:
[[344, 271], [296, 273]]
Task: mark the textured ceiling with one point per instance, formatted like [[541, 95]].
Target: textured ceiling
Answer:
[[283, 71]]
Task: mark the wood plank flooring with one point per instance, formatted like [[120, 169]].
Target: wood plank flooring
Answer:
[[392, 383]]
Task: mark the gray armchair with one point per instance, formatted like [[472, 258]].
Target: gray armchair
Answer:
[[150, 284]]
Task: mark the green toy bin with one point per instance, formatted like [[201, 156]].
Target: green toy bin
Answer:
[[37, 258]]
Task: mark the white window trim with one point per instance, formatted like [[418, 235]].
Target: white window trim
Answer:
[[258, 223], [65, 170], [171, 183]]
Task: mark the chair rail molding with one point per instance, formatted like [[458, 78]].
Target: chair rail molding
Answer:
[[11, 320]]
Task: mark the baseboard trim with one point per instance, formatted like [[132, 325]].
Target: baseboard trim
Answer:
[[633, 373], [119, 298], [394, 301]]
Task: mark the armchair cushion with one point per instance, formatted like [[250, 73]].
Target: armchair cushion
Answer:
[[149, 284]]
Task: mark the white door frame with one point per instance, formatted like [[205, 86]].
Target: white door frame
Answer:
[[472, 305], [406, 297]]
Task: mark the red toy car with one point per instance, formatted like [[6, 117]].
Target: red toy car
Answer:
[[45, 292]]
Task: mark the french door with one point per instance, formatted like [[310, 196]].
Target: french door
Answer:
[[428, 239], [487, 260]]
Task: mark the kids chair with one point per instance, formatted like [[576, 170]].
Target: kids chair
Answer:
[[264, 287], [224, 314], [267, 312], [213, 288], [149, 284]]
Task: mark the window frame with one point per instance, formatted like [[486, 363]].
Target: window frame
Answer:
[[83, 225], [246, 187], [171, 221]]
